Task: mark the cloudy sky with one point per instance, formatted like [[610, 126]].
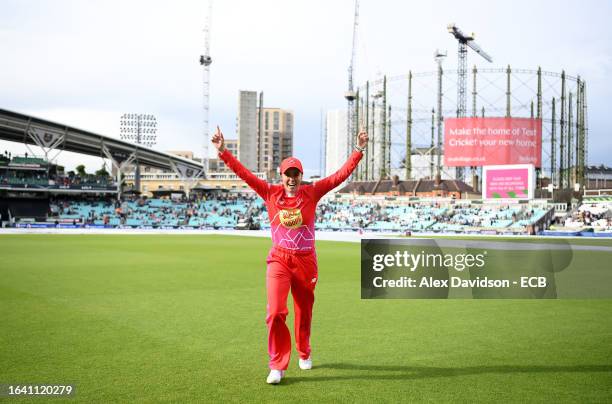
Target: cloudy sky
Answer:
[[84, 63]]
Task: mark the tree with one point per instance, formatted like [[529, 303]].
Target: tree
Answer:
[[102, 172], [81, 170]]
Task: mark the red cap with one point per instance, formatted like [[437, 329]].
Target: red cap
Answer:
[[291, 162]]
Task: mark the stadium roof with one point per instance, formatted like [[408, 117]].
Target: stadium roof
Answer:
[[601, 169], [17, 127], [411, 187]]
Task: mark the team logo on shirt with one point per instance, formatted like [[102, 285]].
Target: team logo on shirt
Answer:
[[290, 218]]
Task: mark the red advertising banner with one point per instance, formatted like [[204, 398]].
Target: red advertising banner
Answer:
[[492, 141]]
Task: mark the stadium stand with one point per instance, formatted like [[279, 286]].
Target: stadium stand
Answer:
[[343, 213], [223, 212], [594, 212], [25, 161], [28, 172], [337, 212], [447, 216], [592, 218]]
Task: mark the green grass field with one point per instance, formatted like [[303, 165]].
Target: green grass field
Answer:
[[181, 319]]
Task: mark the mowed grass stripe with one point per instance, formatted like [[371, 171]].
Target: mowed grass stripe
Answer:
[[181, 318]]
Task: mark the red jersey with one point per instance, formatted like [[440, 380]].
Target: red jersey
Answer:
[[292, 219]]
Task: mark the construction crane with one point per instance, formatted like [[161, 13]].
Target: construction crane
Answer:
[[205, 61], [464, 42], [350, 94]]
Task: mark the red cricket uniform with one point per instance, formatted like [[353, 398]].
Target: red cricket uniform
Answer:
[[292, 261]]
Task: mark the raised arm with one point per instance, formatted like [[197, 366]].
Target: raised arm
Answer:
[[326, 184], [257, 184]]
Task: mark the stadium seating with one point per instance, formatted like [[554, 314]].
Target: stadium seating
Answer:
[[336, 214], [595, 214], [29, 160]]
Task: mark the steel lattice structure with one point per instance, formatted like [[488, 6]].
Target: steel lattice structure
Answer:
[[420, 101]]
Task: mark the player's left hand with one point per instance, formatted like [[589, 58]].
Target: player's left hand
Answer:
[[362, 138]]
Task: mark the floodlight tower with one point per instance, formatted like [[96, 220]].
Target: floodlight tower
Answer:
[[140, 129], [205, 61], [350, 94], [464, 41]]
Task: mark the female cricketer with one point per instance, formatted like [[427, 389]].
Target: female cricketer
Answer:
[[292, 261]]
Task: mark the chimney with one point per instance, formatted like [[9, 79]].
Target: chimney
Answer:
[[438, 180], [475, 182]]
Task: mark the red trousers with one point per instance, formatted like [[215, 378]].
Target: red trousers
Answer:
[[296, 272]]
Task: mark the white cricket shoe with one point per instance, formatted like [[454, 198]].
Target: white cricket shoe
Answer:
[[305, 364], [275, 376]]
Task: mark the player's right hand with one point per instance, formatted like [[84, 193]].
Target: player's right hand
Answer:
[[218, 140], [362, 138]]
